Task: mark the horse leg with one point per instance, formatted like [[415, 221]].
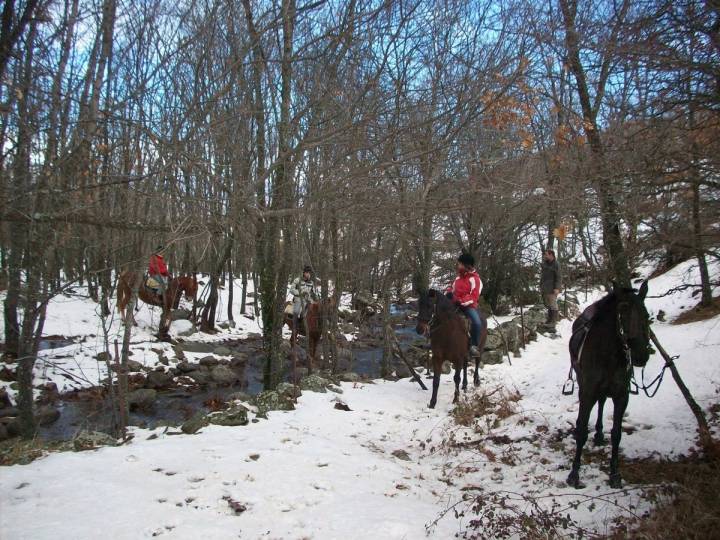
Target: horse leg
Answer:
[[619, 405], [476, 376], [456, 378], [465, 363], [436, 383], [312, 346], [599, 438], [581, 435]]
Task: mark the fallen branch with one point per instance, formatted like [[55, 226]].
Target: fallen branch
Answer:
[[706, 440]]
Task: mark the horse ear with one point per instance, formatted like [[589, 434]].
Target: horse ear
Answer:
[[642, 293]]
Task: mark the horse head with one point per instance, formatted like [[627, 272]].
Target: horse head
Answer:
[[634, 323], [426, 311], [189, 285]]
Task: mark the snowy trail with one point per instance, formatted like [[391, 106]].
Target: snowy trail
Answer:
[[323, 473]]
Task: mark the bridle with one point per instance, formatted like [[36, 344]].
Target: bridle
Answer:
[[432, 324]]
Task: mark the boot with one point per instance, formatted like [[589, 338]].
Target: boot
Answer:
[[548, 317], [554, 316]]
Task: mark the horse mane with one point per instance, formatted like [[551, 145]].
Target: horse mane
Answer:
[[444, 304]]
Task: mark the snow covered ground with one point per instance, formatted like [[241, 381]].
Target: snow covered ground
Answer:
[[72, 364], [319, 472]]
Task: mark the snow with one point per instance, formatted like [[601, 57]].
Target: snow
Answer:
[[77, 317], [318, 472]]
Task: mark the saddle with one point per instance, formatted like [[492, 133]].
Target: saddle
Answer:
[[581, 328]]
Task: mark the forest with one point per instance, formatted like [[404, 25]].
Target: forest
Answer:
[[373, 140]]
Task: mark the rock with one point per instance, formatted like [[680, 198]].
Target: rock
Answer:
[[271, 400], [184, 328], [208, 361], [143, 399], [187, 367], [511, 332], [223, 375], [446, 367], [222, 351], [402, 371], [339, 405], [288, 390], [158, 380], [235, 416], [493, 357], [134, 365], [401, 454], [197, 347], [180, 314], [494, 340], [90, 440], [349, 376], [103, 356], [46, 415], [195, 424], [314, 383], [239, 361], [239, 396], [200, 377]]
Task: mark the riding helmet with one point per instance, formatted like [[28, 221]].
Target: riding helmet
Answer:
[[307, 268]]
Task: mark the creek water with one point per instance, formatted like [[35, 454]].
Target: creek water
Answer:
[[173, 407]]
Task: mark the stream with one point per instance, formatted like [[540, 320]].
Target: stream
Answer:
[[174, 406]]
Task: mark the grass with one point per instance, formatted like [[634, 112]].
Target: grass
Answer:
[[687, 499], [699, 313]]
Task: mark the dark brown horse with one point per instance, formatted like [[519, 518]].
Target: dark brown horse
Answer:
[[441, 319], [169, 301], [617, 338], [312, 325]]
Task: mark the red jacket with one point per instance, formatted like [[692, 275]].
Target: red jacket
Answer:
[[157, 266], [466, 289]]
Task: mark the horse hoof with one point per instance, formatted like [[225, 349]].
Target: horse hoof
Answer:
[[599, 441], [616, 481], [476, 382], [431, 406], [573, 480]]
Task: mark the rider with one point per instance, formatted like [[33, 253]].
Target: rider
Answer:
[[304, 292], [465, 292], [158, 272]]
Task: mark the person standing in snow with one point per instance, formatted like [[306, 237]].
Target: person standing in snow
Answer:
[[304, 292], [158, 272], [550, 283], [465, 292]]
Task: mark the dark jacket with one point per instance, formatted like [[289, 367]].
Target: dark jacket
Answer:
[[550, 277]]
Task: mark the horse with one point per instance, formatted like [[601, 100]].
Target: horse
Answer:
[[446, 325], [312, 325], [617, 337], [169, 301]]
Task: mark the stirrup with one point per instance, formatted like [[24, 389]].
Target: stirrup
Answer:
[[568, 388]]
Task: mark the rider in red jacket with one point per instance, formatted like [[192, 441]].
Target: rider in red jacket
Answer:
[[157, 269], [465, 292]]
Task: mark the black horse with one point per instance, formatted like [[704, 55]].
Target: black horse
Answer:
[[616, 337], [441, 319]]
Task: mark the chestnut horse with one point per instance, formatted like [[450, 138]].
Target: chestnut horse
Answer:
[[441, 320], [169, 301], [315, 316]]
